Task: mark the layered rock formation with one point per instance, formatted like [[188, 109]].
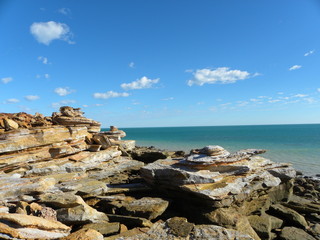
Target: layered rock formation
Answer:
[[62, 178]]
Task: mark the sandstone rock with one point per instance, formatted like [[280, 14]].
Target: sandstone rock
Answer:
[[180, 227], [61, 200], [145, 207], [10, 124], [292, 233], [230, 182], [12, 188], [80, 215], [302, 205], [103, 227], [288, 215], [31, 227], [256, 206], [130, 222], [85, 234], [264, 224], [230, 218], [164, 230]]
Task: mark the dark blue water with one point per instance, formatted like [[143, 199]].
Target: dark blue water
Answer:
[[297, 144]]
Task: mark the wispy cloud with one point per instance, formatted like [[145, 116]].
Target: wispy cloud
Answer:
[[167, 99], [295, 67], [31, 97], [309, 53], [44, 60], [110, 94], [12, 100], [62, 103], [46, 32], [299, 95], [63, 91], [6, 80], [218, 75], [131, 65], [64, 11], [141, 83], [318, 89]]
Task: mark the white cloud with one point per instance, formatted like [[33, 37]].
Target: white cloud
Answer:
[[318, 89], [110, 94], [141, 83], [280, 93], [309, 53], [213, 109], [46, 75], [6, 80], [131, 65], [274, 101], [167, 99], [255, 100], [300, 95], [218, 75], [63, 91], [44, 60], [310, 100], [12, 100], [64, 11], [242, 103], [62, 103], [46, 32], [295, 67], [32, 97]]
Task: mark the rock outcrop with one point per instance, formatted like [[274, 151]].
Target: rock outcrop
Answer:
[[63, 178]]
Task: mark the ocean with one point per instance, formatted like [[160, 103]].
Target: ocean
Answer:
[[297, 144]]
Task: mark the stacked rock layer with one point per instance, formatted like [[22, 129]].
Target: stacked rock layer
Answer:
[[62, 178]]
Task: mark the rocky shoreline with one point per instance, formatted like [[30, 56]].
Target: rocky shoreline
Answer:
[[62, 178]]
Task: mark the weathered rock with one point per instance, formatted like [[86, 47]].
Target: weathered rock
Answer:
[[80, 215], [289, 215], [103, 227], [215, 182], [180, 227], [85, 234], [303, 205], [171, 231], [10, 124], [61, 200], [230, 218], [130, 222], [13, 188], [293, 233], [31, 227], [264, 224], [147, 207]]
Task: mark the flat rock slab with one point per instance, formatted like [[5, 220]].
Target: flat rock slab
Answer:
[[31, 227]]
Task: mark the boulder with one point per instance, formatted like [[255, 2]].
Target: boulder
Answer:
[[81, 214], [146, 207], [288, 215], [293, 233], [230, 218], [264, 224]]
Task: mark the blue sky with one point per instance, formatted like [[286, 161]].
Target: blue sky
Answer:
[[141, 63]]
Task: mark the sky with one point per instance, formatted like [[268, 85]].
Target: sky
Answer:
[[155, 63]]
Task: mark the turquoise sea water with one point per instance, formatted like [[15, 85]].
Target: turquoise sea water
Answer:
[[297, 144]]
